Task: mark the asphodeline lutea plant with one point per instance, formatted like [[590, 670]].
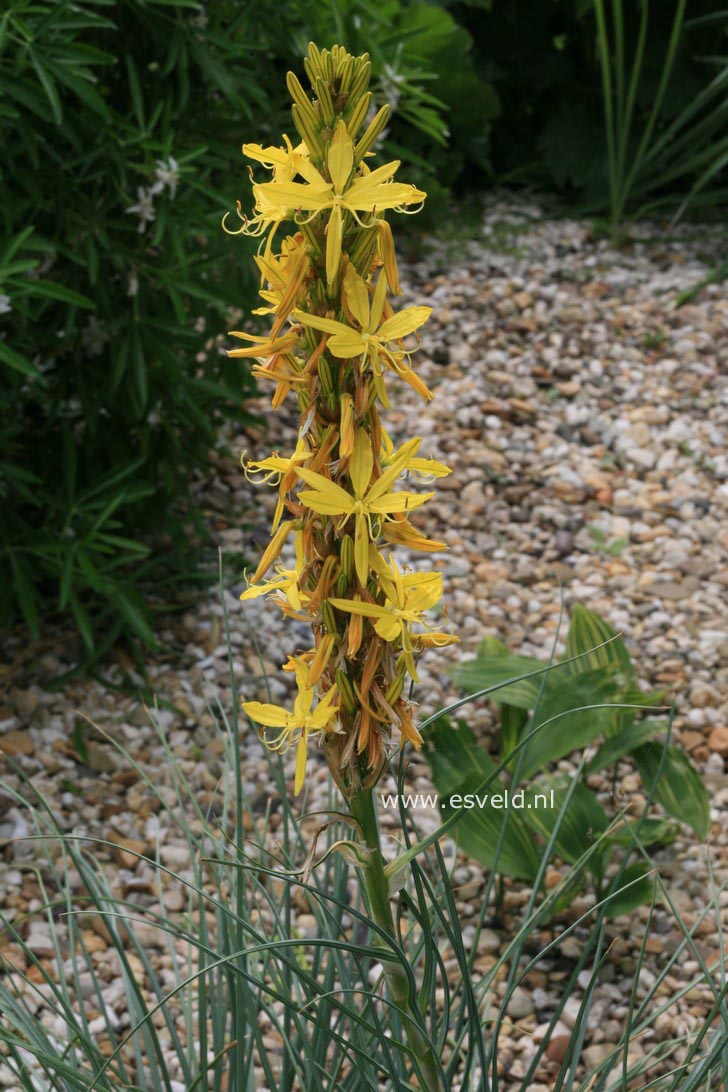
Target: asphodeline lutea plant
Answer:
[[337, 346]]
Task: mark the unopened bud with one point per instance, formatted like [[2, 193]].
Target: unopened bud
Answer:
[[346, 554], [346, 690], [329, 617], [374, 129], [395, 690]]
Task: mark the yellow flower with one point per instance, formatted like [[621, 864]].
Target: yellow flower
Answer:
[[285, 275], [374, 339], [285, 163], [264, 346], [279, 471], [377, 500], [407, 598], [400, 532], [364, 192], [424, 470], [287, 581], [295, 727]]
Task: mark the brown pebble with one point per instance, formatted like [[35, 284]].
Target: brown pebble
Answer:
[[17, 743]]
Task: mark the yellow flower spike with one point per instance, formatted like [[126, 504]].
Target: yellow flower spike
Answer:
[[340, 484]]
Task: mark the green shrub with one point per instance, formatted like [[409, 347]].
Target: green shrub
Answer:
[[121, 124]]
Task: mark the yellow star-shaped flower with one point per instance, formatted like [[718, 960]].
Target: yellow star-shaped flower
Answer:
[[295, 727], [374, 339], [368, 500]]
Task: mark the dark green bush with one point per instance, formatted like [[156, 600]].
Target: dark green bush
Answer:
[[121, 124]]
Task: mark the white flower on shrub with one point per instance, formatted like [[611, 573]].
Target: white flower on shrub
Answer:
[[132, 284], [144, 208], [94, 337], [5, 307], [167, 174]]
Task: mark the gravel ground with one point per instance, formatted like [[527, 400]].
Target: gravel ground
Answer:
[[585, 417]]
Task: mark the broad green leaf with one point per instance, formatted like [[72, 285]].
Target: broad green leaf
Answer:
[[680, 790], [586, 631], [651, 832], [504, 672], [568, 722], [624, 899], [460, 765], [624, 741], [580, 826]]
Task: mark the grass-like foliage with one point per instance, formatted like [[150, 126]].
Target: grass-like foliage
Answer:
[[252, 999]]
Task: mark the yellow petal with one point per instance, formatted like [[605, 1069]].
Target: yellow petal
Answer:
[[395, 468], [300, 763], [329, 326], [293, 195], [270, 716], [256, 590], [430, 468], [320, 502], [355, 606], [357, 296], [340, 157], [273, 550], [425, 593], [361, 463], [380, 295], [397, 502], [347, 345], [333, 244], [387, 627], [329, 490], [361, 548], [406, 322]]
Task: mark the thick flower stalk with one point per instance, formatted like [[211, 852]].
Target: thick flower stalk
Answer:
[[337, 346]]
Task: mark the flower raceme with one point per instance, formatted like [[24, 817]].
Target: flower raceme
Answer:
[[334, 336]]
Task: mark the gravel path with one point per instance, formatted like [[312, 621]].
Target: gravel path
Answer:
[[585, 417]]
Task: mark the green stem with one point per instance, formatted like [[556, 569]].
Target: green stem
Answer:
[[426, 1063]]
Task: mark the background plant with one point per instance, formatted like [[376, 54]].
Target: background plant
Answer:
[[122, 129], [591, 700]]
